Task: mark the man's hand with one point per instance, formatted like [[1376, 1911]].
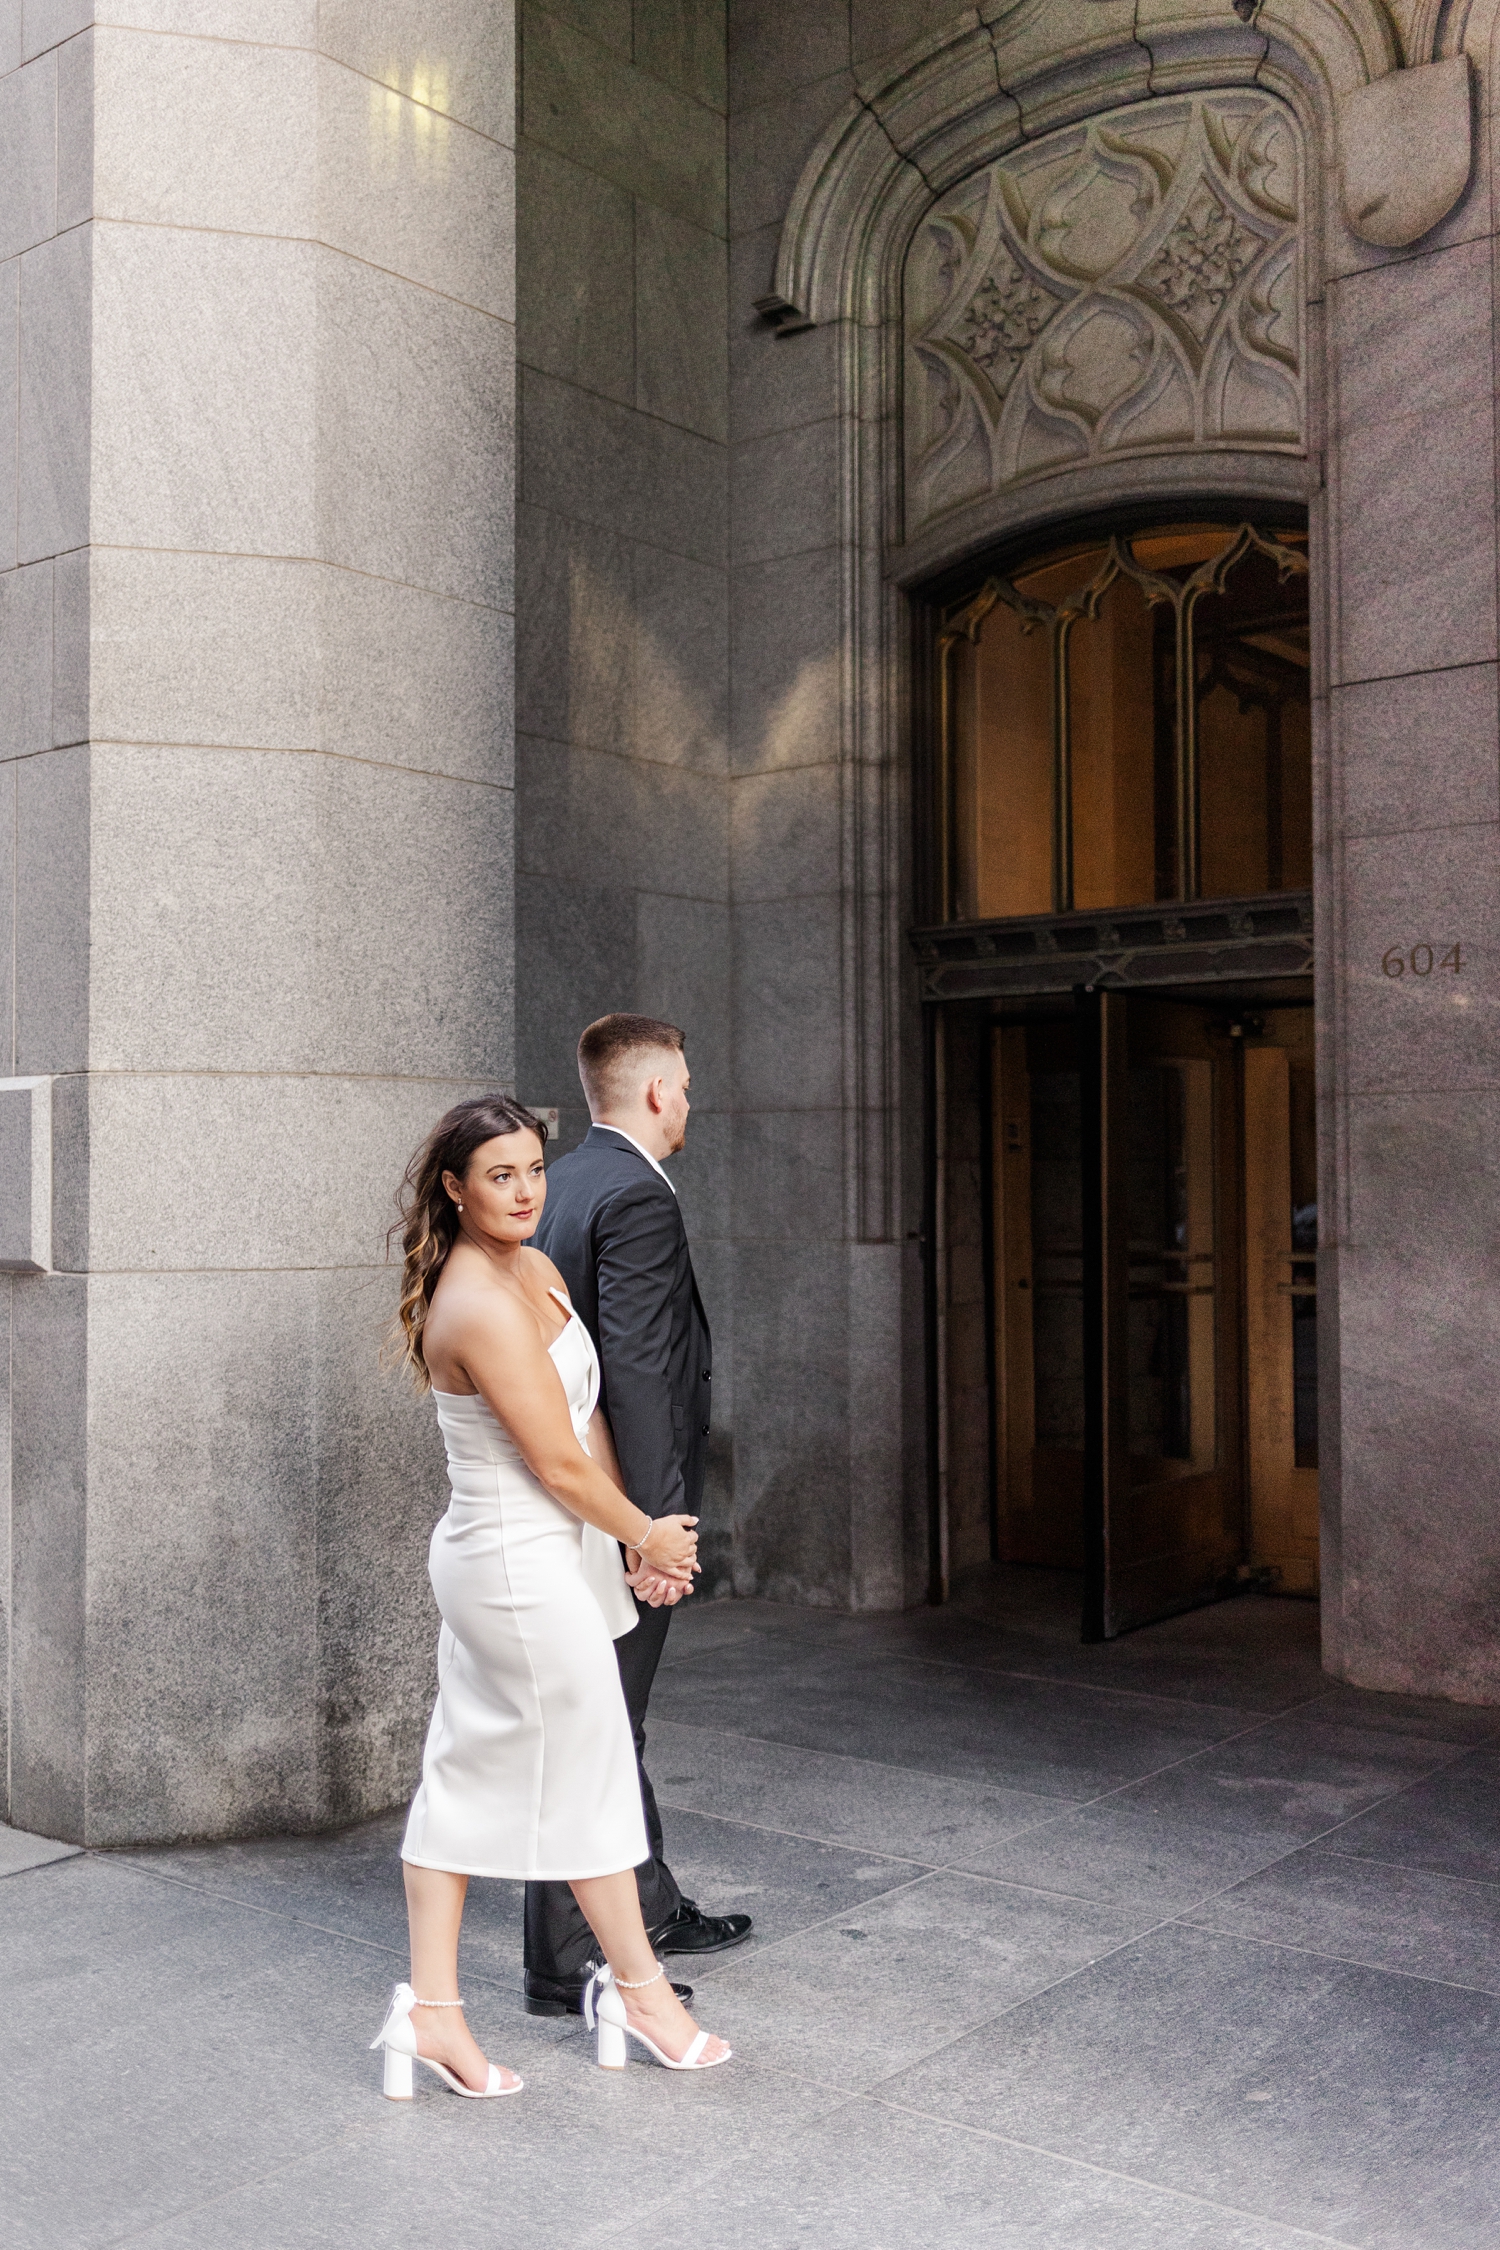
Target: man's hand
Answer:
[[657, 1588]]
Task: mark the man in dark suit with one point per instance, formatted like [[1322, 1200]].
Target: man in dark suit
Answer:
[[612, 1228]]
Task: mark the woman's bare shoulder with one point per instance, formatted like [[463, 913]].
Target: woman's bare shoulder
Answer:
[[543, 1269], [470, 1300]]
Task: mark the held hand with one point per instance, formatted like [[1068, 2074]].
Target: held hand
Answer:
[[655, 1588], [672, 1546]]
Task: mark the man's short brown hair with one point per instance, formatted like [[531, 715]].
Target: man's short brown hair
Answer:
[[609, 1047]]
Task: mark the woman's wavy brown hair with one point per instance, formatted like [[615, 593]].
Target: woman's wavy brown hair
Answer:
[[428, 1224]]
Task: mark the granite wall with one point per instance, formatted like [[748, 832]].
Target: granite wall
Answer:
[[257, 796], [622, 607], [1410, 856]]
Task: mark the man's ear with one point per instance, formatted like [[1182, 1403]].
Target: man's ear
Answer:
[[654, 1093]]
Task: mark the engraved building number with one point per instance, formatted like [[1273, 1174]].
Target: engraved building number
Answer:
[[1421, 960]]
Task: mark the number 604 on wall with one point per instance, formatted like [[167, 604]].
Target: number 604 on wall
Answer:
[[1420, 960]]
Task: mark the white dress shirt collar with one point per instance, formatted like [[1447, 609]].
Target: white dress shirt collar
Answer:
[[635, 1144]]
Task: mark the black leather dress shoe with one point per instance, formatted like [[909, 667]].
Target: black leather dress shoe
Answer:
[[546, 1997], [692, 1931]]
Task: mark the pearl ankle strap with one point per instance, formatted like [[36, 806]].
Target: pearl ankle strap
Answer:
[[641, 1982], [436, 2003]]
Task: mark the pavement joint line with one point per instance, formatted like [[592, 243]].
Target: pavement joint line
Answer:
[[1347, 1960], [858, 1851], [1414, 1867], [356, 2132], [880, 1765], [1035, 1679], [742, 1955], [1070, 1805], [273, 1913], [1052, 1679], [608, 2229], [1107, 2172]]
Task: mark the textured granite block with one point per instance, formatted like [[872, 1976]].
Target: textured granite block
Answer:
[[575, 628], [55, 504], [1414, 510], [681, 347], [412, 678], [1413, 339], [26, 1175], [775, 382], [204, 359], [788, 1024], [585, 103], [28, 175], [623, 472], [656, 828], [272, 1196], [204, 649], [457, 57], [785, 493], [404, 187], [49, 1654], [679, 668], [787, 833], [204, 133], [10, 340], [416, 422], [1418, 752], [52, 908], [381, 1487], [789, 1176], [1438, 888], [771, 142], [26, 660], [575, 961], [575, 305], [771, 53], [682, 974], [682, 42], [790, 1430], [201, 1518]]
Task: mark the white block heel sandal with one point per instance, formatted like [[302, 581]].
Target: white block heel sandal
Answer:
[[399, 2040], [604, 2013]]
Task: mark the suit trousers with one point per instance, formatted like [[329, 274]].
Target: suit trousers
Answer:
[[559, 1942]]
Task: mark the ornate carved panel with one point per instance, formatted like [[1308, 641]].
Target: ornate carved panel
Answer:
[[1127, 286]]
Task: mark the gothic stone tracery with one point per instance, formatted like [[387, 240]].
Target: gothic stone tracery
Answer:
[[1123, 287]]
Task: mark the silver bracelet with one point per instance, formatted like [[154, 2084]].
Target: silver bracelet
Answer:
[[640, 1545]]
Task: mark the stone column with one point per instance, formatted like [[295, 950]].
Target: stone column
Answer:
[[828, 1416], [1410, 860], [256, 618]]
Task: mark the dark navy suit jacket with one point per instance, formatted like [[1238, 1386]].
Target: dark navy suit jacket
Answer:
[[612, 1228]]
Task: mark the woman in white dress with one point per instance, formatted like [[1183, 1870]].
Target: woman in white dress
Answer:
[[529, 1770]]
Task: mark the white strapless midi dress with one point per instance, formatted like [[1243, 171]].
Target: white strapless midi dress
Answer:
[[529, 1770]]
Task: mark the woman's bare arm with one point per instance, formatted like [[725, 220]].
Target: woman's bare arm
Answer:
[[493, 1336]]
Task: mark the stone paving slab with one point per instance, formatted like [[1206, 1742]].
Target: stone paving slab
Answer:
[[1218, 1974], [19, 1851]]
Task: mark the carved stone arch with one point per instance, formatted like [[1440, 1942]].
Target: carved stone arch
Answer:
[[968, 95]]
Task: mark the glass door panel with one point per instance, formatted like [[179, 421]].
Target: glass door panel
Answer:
[[1039, 1354], [1163, 1494], [1281, 1302]]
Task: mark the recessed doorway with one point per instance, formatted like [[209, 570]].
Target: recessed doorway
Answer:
[[1152, 1225], [1116, 954]]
